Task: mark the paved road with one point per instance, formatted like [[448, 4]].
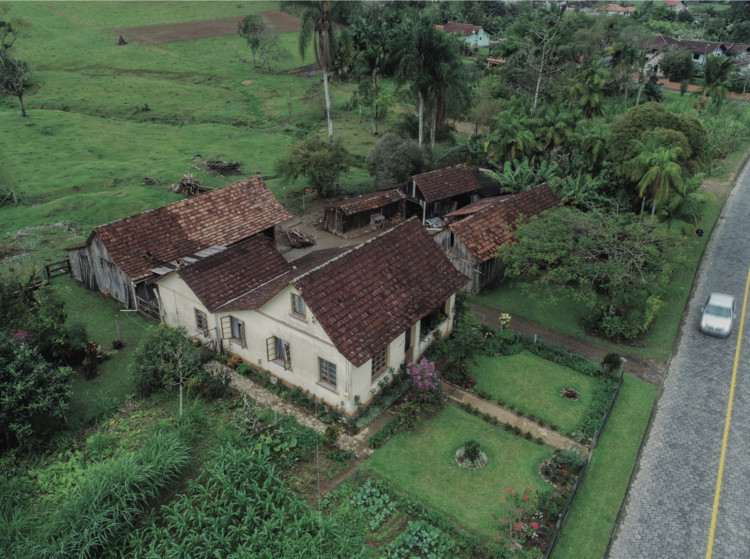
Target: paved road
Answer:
[[670, 504]]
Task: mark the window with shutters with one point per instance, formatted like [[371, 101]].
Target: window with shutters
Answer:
[[279, 351], [327, 371], [233, 329], [201, 321], [298, 306]]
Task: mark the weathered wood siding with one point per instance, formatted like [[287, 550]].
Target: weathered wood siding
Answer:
[[338, 223], [481, 274], [93, 267]]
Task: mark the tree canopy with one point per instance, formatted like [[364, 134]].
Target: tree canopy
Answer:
[[609, 262], [319, 162]]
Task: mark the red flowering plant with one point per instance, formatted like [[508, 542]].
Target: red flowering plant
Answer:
[[522, 524]]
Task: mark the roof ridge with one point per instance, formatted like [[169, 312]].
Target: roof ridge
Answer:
[[353, 249]]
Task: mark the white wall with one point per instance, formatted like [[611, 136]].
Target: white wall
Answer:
[[307, 340]]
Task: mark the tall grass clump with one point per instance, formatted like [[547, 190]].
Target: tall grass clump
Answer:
[[110, 501], [241, 506]]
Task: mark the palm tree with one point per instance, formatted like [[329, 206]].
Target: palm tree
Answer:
[[655, 169], [316, 25], [430, 63], [588, 88], [716, 73]]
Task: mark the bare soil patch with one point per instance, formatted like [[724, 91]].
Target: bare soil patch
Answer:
[[190, 30]]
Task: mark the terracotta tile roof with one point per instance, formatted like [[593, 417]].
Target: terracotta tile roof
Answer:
[[484, 231], [366, 202], [242, 277], [220, 217], [736, 49], [477, 206], [371, 294], [447, 182], [463, 28], [701, 47]]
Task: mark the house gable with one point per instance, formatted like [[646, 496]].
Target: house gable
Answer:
[[372, 294]]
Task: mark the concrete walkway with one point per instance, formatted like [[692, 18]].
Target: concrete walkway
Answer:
[[550, 437], [265, 398]]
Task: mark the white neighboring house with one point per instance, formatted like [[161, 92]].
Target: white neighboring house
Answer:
[[474, 35], [333, 322]]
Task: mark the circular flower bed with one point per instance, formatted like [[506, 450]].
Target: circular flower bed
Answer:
[[570, 393], [464, 462]]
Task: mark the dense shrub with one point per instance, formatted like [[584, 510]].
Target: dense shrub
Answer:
[[601, 399], [162, 358]]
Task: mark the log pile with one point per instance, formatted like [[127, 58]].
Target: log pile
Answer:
[[222, 167], [188, 185], [298, 239]]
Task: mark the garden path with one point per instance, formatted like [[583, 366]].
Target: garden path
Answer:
[[552, 438], [353, 444]]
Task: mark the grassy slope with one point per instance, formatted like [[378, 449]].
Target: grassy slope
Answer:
[[88, 142], [594, 511]]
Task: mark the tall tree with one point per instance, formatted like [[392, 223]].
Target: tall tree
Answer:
[[588, 88], [655, 169], [431, 65], [14, 77], [317, 26], [717, 71]]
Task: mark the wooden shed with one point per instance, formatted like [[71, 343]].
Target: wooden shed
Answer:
[[471, 242], [437, 193], [122, 258], [351, 215]]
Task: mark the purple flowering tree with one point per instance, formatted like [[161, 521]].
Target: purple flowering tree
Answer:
[[426, 386]]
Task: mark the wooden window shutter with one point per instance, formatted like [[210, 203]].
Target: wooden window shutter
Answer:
[[271, 348], [287, 356], [226, 327], [243, 343]]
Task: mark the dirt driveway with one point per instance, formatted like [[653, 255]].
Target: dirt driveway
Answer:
[[189, 30]]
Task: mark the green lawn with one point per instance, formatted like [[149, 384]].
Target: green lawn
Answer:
[[421, 464], [92, 398], [588, 527], [533, 384]]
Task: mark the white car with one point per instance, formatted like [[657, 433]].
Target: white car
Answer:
[[718, 315]]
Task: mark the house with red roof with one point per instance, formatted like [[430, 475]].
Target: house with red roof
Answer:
[[475, 232], [335, 322], [122, 258], [474, 35]]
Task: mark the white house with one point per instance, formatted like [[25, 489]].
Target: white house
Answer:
[[333, 322], [474, 35]]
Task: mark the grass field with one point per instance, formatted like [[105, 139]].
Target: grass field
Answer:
[[103, 116], [594, 512], [533, 385], [421, 464]]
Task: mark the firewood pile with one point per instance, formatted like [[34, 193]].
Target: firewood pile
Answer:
[[298, 239], [188, 185], [222, 167]]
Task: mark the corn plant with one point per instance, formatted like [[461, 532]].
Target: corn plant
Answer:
[[111, 500], [241, 507]]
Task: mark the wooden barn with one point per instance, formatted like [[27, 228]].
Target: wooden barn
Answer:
[[349, 216], [123, 257], [437, 193], [471, 241]]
